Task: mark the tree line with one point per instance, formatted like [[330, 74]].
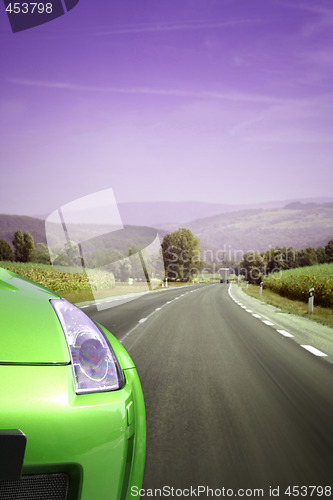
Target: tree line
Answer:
[[181, 258], [24, 249], [255, 265], [180, 250]]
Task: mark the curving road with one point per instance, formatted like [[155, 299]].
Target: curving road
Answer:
[[230, 402]]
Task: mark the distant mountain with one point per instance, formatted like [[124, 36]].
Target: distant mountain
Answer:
[[11, 223], [121, 239], [168, 215], [161, 213], [297, 225]]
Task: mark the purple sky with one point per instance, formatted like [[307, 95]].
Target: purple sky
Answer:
[[225, 101]]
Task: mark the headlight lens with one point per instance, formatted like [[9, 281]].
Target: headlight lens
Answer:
[[95, 366]]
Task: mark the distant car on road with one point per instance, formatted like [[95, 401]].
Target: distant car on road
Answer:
[[72, 417]]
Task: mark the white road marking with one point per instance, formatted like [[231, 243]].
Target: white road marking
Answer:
[[284, 333], [142, 320], [315, 351], [309, 348]]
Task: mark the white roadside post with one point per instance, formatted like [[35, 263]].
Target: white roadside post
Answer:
[[260, 289], [247, 285], [166, 282], [311, 300]]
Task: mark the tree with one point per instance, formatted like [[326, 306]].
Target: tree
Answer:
[[307, 257], [252, 267], [69, 256], [329, 251], [18, 244], [23, 246], [181, 255], [125, 269], [28, 247], [321, 255], [41, 254], [102, 257], [6, 252], [279, 258]]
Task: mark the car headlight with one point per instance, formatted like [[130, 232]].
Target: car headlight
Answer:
[[95, 366]]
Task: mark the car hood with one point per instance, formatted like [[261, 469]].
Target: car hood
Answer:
[[30, 332]]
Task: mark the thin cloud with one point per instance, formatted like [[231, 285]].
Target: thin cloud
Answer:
[[204, 94], [150, 28], [323, 20], [313, 7], [173, 26]]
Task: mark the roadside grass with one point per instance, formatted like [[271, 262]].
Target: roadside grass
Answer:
[[323, 315]]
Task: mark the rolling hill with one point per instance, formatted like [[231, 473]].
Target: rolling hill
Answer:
[[11, 223], [297, 224], [121, 239]]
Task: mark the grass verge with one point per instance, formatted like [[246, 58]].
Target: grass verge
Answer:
[[323, 315]]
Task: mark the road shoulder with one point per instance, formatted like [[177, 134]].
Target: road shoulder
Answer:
[[302, 330]]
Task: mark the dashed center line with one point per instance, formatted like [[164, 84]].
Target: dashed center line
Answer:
[[315, 351], [285, 333], [142, 320], [269, 323]]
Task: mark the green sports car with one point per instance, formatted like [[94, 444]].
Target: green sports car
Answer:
[[72, 415]]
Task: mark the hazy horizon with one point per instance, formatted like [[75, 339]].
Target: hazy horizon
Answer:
[[232, 206]]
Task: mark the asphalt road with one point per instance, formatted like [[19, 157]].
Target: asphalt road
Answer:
[[230, 402]]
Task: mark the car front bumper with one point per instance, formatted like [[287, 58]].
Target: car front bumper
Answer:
[[98, 440]]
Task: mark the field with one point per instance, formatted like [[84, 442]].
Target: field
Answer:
[[295, 284], [75, 286], [59, 281]]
